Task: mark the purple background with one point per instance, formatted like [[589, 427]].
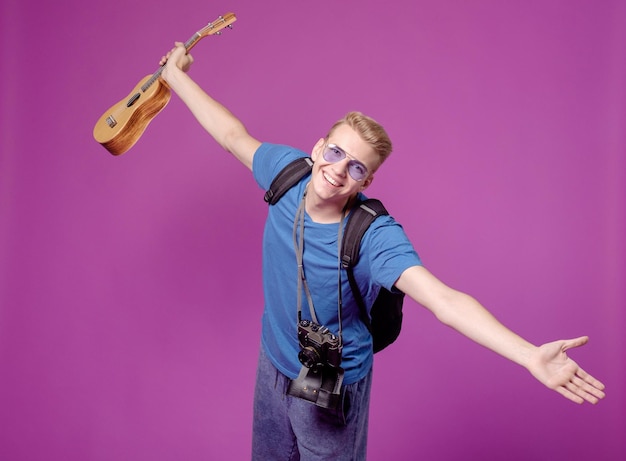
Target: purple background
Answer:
[[130, 287]]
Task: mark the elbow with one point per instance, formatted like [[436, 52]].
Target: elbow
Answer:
[[234, 138], [451, 306], [228, 141]]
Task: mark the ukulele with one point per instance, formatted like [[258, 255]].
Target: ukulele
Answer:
[[122, 125]]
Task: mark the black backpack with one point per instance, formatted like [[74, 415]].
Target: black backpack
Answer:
[[386, 313]]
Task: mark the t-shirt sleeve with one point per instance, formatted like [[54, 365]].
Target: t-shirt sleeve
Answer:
[[270, 159], [390, 252]]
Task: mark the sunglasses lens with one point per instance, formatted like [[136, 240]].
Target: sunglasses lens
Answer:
[[357, 171], [334, 154]]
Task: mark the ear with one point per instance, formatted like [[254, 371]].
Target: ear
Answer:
[[317, 149], [367, 182]]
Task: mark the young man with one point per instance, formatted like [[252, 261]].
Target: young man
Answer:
[[301, 268]]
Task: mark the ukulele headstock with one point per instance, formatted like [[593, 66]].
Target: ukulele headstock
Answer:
[[215, 27]]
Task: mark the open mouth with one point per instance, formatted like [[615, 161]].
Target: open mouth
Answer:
[[331, 181]]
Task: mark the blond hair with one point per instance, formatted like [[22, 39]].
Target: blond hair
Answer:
[[370, 131]]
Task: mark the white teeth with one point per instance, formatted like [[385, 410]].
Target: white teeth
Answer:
[[331, 180]]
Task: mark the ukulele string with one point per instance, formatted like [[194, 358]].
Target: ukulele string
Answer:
[[189, 44]]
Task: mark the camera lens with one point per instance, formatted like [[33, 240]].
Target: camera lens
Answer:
[[308, 357]]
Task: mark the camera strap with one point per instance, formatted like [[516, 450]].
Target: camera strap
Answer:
[[298, 242]]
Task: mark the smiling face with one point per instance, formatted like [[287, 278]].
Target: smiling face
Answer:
[[331, 183]]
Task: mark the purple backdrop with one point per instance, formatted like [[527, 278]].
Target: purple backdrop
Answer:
[[130, 287]]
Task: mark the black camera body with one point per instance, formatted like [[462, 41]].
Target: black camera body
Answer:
[[319, 347], [321, 376]]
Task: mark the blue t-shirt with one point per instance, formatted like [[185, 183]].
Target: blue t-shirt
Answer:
[[385, 253]]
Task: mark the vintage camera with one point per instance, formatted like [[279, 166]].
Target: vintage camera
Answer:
[[318, 346], [321, 375]]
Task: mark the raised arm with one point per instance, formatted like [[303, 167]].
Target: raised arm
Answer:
[[548, 363], [218, 121]]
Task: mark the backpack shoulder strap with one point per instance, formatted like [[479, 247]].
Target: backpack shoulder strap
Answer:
[[359, 221], [287, 178]]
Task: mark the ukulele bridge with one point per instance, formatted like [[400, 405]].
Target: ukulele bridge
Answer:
[[111, 121]]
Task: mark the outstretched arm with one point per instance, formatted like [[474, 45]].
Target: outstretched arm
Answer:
[[218, 121], [548, 363]]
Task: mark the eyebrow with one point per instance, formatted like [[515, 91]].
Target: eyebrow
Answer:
[[347, 154]]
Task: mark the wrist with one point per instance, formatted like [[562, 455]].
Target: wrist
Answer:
[[172, 76]]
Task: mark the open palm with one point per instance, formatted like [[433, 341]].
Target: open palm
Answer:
[[556, 370]]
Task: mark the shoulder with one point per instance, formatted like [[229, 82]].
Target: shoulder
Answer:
[[385, 233], [383, 223], [270, 159]]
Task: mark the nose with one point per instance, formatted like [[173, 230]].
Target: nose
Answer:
[[341, 167]]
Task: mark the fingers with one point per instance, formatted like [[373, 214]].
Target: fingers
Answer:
[[589, 384], [577, 395], [570, 395], [582, 388], [179, 49]]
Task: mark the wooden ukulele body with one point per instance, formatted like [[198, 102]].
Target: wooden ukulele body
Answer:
[[122, 125]]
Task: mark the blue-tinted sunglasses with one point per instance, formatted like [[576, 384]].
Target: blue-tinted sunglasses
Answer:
[[333, 154]]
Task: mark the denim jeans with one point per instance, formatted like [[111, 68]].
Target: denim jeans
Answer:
[[290, 429]]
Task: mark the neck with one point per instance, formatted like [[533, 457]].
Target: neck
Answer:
[[324, 211]]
